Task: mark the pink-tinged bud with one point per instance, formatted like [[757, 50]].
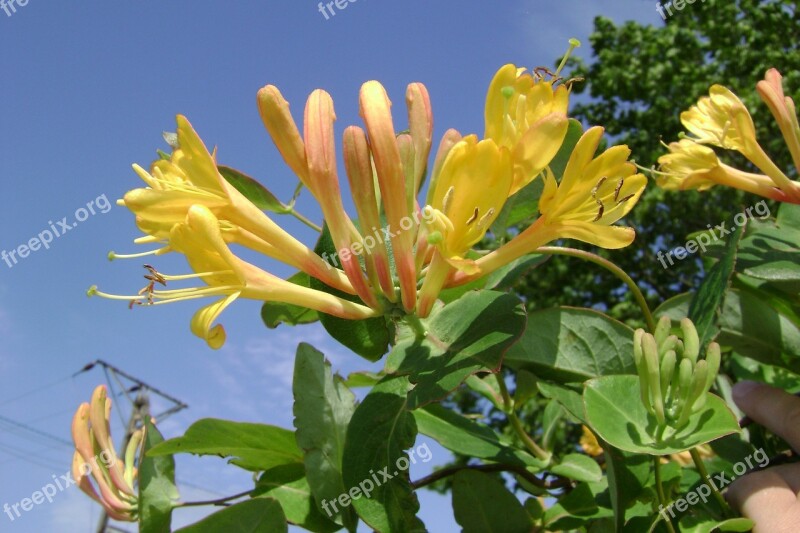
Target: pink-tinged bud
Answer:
[[277, 118], [405, 145], [358, 162], [450, 138], [420, 124], [782, 108], [376, 112], [94, 454], [321, 157]]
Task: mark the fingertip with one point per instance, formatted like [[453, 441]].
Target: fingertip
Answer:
[[742, 390]]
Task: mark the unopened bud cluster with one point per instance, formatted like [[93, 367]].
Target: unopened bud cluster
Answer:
[[673, 381]]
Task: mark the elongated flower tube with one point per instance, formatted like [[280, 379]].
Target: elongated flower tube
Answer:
[[227, 278], [394, 187], [674, 382], [358, 163], [529, 117], [321, 157], [722, 120], [690, 165], [420, 125], [782, 107], [277, 118], [190, 177], [594, 193], [471, 189], [96, 459]]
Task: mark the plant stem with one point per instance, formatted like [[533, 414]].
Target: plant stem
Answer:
[[611, 267], [220, 501], [529, 443], [660, 490], [558, 483], [416, 324], [701, 469], [304, 220]]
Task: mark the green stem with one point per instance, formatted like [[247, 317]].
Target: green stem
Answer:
[[220, 501], [701, 469], [529, 443], [611, 267], [416, 324], [304, 220], [660, 490]]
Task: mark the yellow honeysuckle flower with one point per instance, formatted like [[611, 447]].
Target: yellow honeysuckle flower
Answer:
[[471, 189], [95, 456], [529, 117], [722, 120], [594, 193], [190, 177], [690, 165], [227, 277]]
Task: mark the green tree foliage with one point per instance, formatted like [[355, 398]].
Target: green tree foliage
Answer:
[[639, 80]]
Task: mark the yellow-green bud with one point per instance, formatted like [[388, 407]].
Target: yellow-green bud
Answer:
[[691, 342], [713, 358], [697, 390], [667, 370], [662, 329], [650, 351]]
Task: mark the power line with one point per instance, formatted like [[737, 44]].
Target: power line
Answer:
[[36, 431], [34, 391]]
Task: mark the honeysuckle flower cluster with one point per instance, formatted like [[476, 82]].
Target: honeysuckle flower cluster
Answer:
[[721, 120], [96, 459], [189, 208], [673, 381]]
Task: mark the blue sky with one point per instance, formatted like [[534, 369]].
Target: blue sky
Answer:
[[87, 88]]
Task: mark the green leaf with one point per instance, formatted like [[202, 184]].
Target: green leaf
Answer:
[[467, 336], [703, 524], [520, 207], [323, 407], [709, 297], [488, 387], [753, 328], [253, 447], [572, 345], [288, 485], [363, 379], [616, 413], [577, 508], [568, 398], [276, 313], [259, 515], [469, 438], [375, 467], [501, 279], [253, 190], [627, 478], [482, 504], [368, 338], [578, 467], [157, 490]]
